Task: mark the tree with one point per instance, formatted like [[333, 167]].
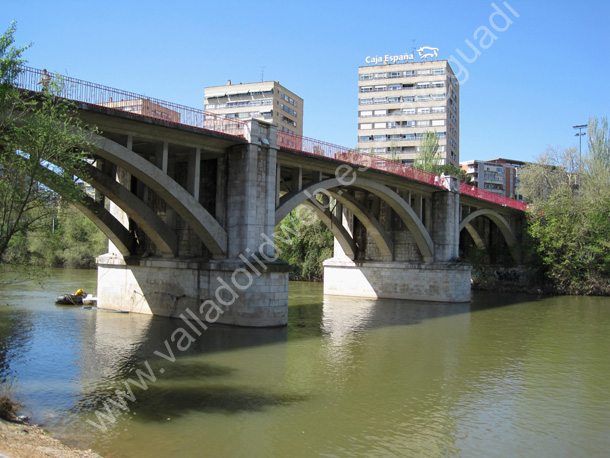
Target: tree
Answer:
[[309, 244], [569, 216], [39, 133], [428, 158]]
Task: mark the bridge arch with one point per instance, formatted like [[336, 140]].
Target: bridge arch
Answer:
[[211, 233], [102, 218], [500, 222], [155, 228], [424, 242], [334, 224]]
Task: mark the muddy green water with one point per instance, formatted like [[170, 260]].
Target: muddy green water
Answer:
[[506, 375]]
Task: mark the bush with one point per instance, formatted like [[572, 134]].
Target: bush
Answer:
[[8, 407]]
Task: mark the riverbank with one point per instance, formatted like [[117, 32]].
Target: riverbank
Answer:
[[23, 440]]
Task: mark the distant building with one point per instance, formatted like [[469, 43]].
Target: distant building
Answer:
[[398, 103], [267, 100], [144, 107], [500, 176]]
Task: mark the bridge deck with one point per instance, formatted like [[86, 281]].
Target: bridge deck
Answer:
[[123, 101]]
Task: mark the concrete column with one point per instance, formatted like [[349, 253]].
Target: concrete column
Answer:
[[297, 179], [161, 156], [251, 195], [221, 191], [278, 185], [194, 172], [124, 178], [446, 225]]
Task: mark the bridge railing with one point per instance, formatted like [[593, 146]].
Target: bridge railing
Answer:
[[473, 191], [32, 79], [319, 148]]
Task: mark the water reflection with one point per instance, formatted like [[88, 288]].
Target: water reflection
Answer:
[[505, 375]]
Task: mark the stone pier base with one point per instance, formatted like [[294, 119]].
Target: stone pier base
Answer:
[[441, 282], [229, 292]]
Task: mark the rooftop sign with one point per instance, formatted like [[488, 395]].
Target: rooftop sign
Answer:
[[425, 53]]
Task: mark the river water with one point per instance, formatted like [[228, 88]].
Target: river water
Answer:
[[505, 375]]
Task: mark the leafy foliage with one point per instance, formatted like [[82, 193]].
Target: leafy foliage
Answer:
[[41, 148], [569, 217], [68, 240], [429, 159], [304, 242]]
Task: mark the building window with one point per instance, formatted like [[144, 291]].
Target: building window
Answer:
[[365, 138], [366, 101], [366, 89], [380, 112], [366, 76], [408, 111], [438, 71], [380, 125], [381, 88], [424, 72], [288, 120], [423, 110], [423, 85], [438, 109], [365, 126], [438, 122], [395, 87], [288, 99], [438, 84], [289, 110], [364, 114]]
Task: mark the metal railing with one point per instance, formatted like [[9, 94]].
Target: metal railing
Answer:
[[32, 79], [319, 148], [473, 191]]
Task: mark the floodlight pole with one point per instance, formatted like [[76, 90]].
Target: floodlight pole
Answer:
[[580, 133]]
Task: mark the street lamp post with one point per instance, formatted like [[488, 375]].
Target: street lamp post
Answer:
[[579, 135]]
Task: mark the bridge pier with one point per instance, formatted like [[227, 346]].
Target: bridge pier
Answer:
[[251, 292], [435, 281], [240, 283]]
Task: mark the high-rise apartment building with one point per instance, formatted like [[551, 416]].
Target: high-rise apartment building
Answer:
[[267, 100], [398, 103]]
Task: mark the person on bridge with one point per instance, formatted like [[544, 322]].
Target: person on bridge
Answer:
[[45, 79]]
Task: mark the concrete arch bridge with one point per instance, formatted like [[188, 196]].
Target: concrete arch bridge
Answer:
[[191, 204]]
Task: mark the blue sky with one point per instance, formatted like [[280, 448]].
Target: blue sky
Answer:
[[549, 70]]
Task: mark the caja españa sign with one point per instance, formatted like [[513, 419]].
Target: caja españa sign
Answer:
[[425, 53]]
